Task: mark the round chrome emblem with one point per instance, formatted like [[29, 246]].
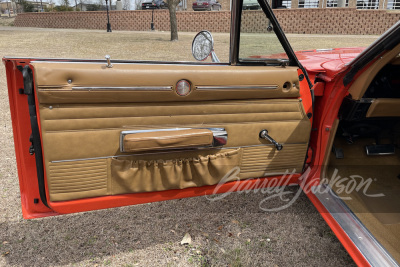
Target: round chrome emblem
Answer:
[[183, 88]]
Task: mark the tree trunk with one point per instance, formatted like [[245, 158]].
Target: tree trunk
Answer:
[[172, 18], [14, 7]]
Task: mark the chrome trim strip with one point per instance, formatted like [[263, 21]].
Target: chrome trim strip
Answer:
[[238, 87], [131, 88], [72, 160], [164, 152], [116, 61], [60, 89], [220, 136], [366, 243]]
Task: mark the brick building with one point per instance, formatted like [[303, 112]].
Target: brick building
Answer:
[[359, 4]]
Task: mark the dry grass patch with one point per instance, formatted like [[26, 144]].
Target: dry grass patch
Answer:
[[7, 21]]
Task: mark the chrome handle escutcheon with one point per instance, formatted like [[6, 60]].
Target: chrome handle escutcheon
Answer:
[[264, 134]]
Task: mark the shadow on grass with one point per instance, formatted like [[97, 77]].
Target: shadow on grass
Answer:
[[95, 235]]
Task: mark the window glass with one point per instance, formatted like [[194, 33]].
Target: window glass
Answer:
[[393, 4], [257, 38], [367, 4], [308, 4]]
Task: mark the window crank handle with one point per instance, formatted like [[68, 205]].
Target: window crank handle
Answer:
[[264, 135]]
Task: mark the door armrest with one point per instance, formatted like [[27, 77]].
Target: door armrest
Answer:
[[178, 138]]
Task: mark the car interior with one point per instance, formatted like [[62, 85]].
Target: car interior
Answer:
[[367, 146]]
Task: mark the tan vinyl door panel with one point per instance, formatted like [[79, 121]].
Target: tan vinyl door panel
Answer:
[[95, 83], [84, 107], [384, 107]]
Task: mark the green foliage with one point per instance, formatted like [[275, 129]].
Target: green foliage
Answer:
[[63, 8], [93, 7], [28, 7]]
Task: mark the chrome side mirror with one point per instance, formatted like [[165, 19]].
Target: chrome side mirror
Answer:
[[203, 46]]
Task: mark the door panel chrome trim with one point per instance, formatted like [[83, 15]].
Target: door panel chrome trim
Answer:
[[131, 88], [366, 243], [57, 89], [118, 61], [238, 87]]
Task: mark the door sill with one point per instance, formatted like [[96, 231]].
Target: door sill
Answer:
[[370, 248]]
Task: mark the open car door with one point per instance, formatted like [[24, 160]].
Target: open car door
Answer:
[[92, 134]]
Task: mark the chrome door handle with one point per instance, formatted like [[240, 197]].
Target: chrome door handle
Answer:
[[264, 134]]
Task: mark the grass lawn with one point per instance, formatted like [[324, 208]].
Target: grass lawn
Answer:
[[64, 43]]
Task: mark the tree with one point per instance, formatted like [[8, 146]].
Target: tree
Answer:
[[14, 6], [81, 3], [8, 9], [93, 7], [51, 6], [25, 6], [28, 7], [102, 4], [63, 8], [172, 4], [138, 4], [126, 4]]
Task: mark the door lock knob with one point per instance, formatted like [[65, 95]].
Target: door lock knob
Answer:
[[108, 58], [264, 134]]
